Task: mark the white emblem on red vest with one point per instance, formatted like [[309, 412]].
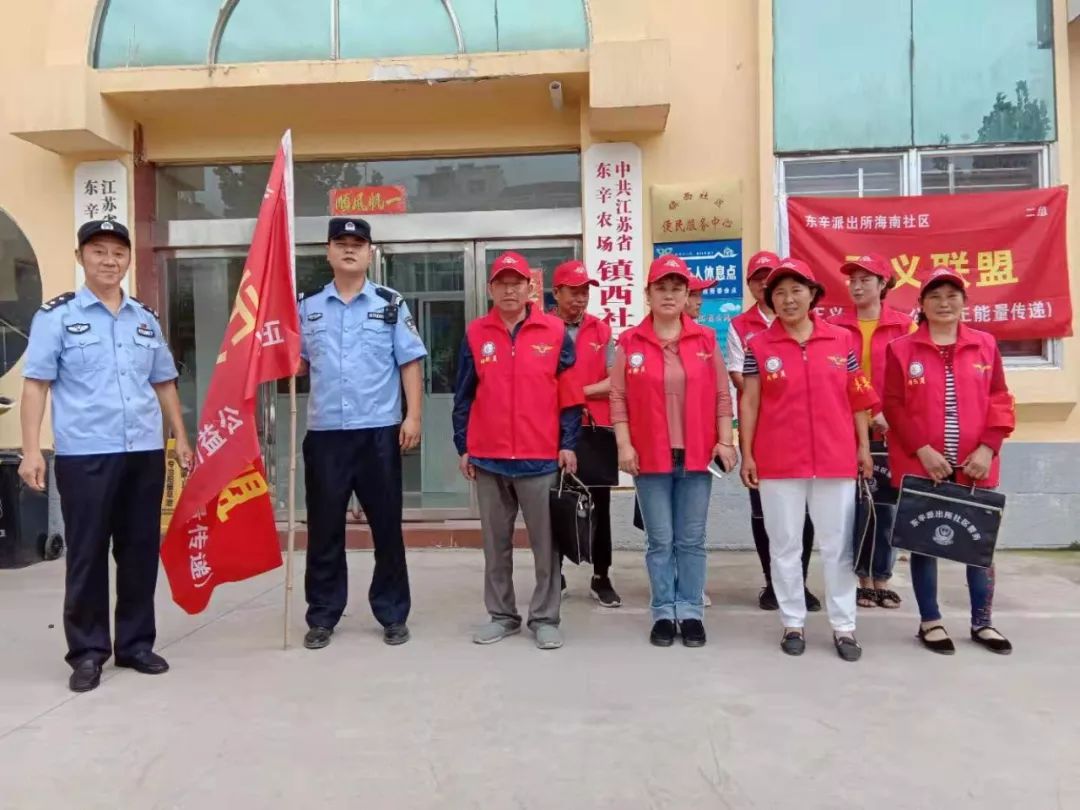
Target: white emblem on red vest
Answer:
[[774, 364], [916, 370], [637, 360], [487, 349]]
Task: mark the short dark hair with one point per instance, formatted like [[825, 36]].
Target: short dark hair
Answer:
[[814, 287]]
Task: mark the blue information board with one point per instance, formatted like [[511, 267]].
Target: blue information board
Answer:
[[714, 261]]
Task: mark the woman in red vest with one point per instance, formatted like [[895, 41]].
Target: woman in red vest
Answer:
[[672, 415], [949, 412], [803, 425], [873, 326]]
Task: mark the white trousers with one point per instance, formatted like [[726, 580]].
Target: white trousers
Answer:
[[831, 502]]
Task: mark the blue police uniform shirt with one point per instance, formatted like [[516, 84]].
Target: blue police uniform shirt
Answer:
[[355, 356], [102, 368]]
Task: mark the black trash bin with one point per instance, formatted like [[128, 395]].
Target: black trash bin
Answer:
[[24, 519]]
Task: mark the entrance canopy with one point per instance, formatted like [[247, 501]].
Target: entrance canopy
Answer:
[[143, 33]]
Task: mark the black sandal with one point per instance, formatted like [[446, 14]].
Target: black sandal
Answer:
[[883, 595], [867, 595], [942, 646], [793, 642], [1001, 646]]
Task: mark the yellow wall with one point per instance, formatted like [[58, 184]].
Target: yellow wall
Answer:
[[719, 88]]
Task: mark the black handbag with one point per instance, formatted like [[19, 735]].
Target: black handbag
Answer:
[[881, 484], [639, 521], [948, 520], [597, 454], [863, 533], [572, 523]]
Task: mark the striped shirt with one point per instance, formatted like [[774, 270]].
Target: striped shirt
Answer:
[[952, 411]]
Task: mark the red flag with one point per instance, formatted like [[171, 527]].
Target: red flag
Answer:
[[223, 529]]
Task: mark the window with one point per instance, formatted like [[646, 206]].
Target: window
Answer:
[[505, 182], [138, 33], [849, 74], [927, 171], [846, 177], [20, 292]]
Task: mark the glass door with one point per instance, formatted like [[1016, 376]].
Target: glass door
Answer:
[[542, 254], [437, 282]]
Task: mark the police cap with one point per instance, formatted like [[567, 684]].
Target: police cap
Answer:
[[97, 227], [349, 226]]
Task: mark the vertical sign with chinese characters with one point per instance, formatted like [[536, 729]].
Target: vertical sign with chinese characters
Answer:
[[719, 262], [614, 241], [101, 192]]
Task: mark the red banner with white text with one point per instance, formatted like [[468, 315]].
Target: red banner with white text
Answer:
[[1010, 246], [223, 529]]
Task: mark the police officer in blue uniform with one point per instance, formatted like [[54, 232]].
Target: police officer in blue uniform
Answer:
[[361, 346], [102, 355]]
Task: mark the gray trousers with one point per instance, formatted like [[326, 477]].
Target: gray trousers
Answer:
[[499, 498]]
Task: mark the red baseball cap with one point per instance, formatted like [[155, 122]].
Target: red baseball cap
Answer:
[[762, 260], [573, 274], [700, 284], [942, 275], [788, 268], [512, 262], [669, 265], [872, 263]]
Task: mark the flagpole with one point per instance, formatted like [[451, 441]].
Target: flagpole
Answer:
[[292, 510], [291, 544]]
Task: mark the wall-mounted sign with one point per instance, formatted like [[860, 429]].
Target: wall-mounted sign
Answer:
[[101, 192], [354, 202], [614, 237], [697, 212], [720, 263]]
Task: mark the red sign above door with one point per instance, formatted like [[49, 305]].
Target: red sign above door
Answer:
[[347, 202]]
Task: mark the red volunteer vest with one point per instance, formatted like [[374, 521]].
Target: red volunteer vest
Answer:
[[805, 425], [915, 399], [515, 414], [646, 402], [590, 367], [749, 324], [893, 324]]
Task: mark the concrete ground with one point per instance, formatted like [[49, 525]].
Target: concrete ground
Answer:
[[606, 722]]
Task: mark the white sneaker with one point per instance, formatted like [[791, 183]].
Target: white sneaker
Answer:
[[705, 598], [548, 637]]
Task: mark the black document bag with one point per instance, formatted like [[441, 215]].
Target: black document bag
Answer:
[[948, 520], [572, 518], [597, 455], [863, 534]]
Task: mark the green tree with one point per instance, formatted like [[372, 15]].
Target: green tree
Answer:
[[1022, 120]]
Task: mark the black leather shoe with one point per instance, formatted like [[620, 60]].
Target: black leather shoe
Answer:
[[395, 634], [693, 633], [318, 637], [87, 676], [942, 646], [813, 604], [663, 633], [793, 643], [766, 599], [1001, 646], [146, 662]]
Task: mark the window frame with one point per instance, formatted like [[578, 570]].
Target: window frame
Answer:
[[911, 186]]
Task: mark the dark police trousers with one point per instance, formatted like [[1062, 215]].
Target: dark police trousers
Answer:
[[115, 495], [338, 463]]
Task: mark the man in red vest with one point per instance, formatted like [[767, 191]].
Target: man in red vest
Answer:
[[595, 353], [517, 416], [743, 327]]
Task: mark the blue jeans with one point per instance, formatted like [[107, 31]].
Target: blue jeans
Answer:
[[980, 588], [884, 558], [675, 507]]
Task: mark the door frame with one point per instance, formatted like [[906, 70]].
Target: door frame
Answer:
[[471, 511]]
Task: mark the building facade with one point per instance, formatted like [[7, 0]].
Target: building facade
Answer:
[[462, 128]]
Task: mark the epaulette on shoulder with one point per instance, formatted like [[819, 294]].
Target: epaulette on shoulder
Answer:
[[148, 308], [52, 304], [388, 295]]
